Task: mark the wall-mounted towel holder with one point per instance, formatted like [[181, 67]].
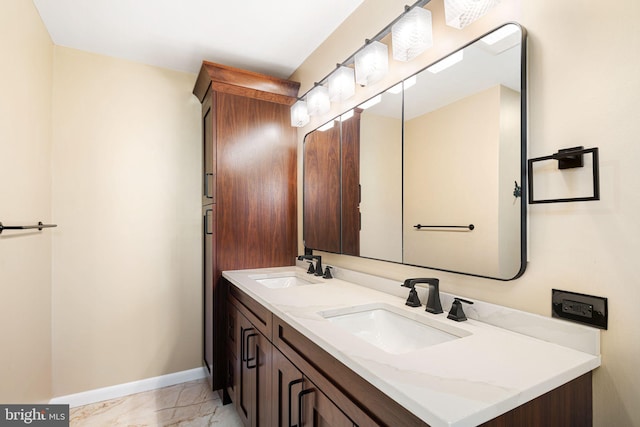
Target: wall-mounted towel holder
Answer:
[[569, 158], [39, 226]]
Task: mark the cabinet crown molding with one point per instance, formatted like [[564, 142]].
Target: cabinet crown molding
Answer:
[[223, 78]]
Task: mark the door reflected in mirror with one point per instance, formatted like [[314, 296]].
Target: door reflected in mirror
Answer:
[[445, 151]]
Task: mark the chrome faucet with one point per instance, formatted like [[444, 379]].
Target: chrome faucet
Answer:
[[433, 300]]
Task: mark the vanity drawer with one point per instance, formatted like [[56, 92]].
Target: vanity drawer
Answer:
[[256, 313]]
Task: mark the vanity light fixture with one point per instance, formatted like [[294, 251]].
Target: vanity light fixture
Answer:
[[326, 126], [412, 34], [460, 13], [372, 63], [342, 84], [447, 62], [299, 114], [370, 103], [318, 101], [403, 85]]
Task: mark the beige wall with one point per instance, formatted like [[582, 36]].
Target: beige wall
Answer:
[[126, 193], [25, 198], [583, 86], [110, 151]]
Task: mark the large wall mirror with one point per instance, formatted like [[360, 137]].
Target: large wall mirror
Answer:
[[429, 173]]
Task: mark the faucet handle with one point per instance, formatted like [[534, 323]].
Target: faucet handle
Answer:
[[457, 313], [327, 272], [311, 269], [412, 300]]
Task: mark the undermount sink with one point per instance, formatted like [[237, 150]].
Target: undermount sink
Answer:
[[283, 280], [390, 329]]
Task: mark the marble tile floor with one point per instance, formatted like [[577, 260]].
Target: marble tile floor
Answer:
[[190, 404]]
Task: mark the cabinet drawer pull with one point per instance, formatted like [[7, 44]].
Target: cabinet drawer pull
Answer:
[[301, 395], [251, 359], [291, 384]]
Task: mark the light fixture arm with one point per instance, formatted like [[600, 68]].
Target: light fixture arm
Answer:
[[382, 34]]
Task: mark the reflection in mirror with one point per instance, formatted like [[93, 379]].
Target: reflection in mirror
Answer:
[[447, 151], [381, 177], [462, 158], [321, 189]]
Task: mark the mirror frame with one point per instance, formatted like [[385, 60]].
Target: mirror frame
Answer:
[[523, 160]]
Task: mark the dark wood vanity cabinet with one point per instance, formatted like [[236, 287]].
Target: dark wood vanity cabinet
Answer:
[[296, 380], [266, 388], [249, 356], [248, 187], [253, 375], [297, 401]]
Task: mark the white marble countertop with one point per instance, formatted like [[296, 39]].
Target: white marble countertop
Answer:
[[505, 358]]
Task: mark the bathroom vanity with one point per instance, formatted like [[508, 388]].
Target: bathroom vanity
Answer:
[[303, 350]]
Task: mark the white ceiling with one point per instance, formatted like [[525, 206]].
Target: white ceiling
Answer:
[[267, 36]]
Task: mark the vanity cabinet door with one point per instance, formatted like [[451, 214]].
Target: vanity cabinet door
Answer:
[[319, 411], [287, 382], [244, 391], [233, 350], [252, 374], [291, 391]]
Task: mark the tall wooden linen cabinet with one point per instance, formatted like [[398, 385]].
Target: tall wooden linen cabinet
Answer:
[[249, 187]]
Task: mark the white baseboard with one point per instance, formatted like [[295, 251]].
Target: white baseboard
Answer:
[[121, 390]]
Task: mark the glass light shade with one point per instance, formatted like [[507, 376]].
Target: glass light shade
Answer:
[[460, 13], [372, 63], [412, 34], [342, 84], [318, 101], [299, 114]]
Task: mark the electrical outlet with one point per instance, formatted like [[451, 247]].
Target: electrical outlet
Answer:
[[581, 308]]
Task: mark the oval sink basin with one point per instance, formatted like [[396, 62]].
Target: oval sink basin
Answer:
[[390, 331], [283, 280]]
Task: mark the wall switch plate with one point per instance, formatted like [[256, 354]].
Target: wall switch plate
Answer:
[[581, 308]]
